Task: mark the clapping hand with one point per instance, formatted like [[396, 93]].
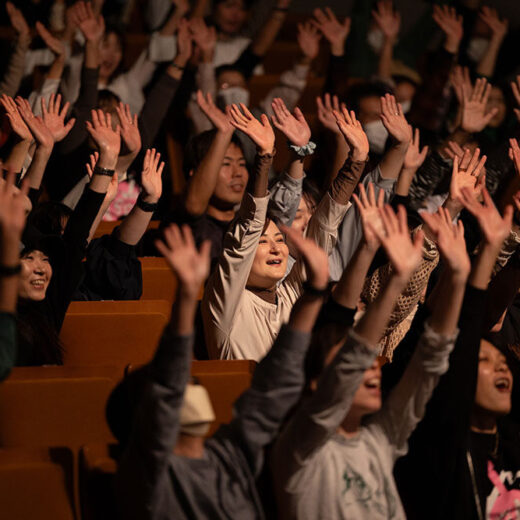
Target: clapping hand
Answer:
[[151, 177], [189, 265], [294, 126], [260, 132], [204, 37]]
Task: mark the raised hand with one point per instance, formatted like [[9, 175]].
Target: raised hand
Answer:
[[369, 210], [460, 79], [184, 43], [404, 255], [204, 37], [151, 178], [13, 209], [314, 257], [495, 228], [54, 44], [260, 132], [92, 26], [308, 40], [17, 20], [129, 128], [189, 265], [335, 32], [54, 118], [498, 27], [15, 118], [93, 159], [414, 155], [394, 120], [449, 238], [325, 107], [388, 20], [515, 87], [451, 24], [220, 120], [107, 139], [294, 126], [514, 154], [466, 174], [353, 132], [474, 102], [36, 125]]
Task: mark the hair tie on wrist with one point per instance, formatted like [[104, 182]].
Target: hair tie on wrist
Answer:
[[149, 207], [303, 151]]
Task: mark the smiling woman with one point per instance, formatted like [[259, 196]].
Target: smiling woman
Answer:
[[35, 275]]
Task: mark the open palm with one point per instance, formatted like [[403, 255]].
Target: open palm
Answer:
[[294, 126]]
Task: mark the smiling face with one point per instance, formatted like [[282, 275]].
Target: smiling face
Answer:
[[110, 55], [270, 261], [232, 177], [35, 276], [494, 383], [230, 16]]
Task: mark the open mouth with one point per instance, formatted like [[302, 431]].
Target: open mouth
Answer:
[[237, 187], [38, 284], [503, 384], [274, 262], [374, 383]]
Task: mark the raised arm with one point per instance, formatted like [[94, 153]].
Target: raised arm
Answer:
[[134, 225], [269, 31], [12, 224], [23, 136], [204, 179], [13, 76], [498, 28], [156, 422], [131, 138], [326, 409], [286, 194], [413, 160], [401, 134], [389, 22], [406, 404], [279, 378]]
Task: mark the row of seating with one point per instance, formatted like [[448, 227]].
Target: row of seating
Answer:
[[57, 454]]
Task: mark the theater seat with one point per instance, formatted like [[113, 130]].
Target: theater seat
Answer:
[[113, 333], [33, 486], [159, 282], [106, 227]]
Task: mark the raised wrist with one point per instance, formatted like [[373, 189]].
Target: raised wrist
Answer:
[[359, 155], [150, 199], [337, 49], [108, 160]]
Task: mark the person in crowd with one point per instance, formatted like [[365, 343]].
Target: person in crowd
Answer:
[[244, 305], [171, 470], [342, 465]]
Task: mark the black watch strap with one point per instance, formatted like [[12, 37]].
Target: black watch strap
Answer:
[[103, 171], [10, 270], [146, 206]]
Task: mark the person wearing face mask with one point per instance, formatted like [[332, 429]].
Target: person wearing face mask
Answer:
[[335, 456], [169, 468], [244, 304], [467, 458]]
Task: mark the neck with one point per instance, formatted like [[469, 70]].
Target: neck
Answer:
[[189, 446], [226, 215], [482, 422], [350, 426]]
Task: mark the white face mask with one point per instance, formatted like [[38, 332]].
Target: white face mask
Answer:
[[406, 105], [377, 135], [476, 48], [375, 40], [232, 95]]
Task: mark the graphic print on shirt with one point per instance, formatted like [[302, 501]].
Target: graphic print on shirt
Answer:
[[504, 500], [358, 491]]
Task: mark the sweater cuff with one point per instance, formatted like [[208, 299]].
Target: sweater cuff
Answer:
[[435, 349], [346, 180]]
